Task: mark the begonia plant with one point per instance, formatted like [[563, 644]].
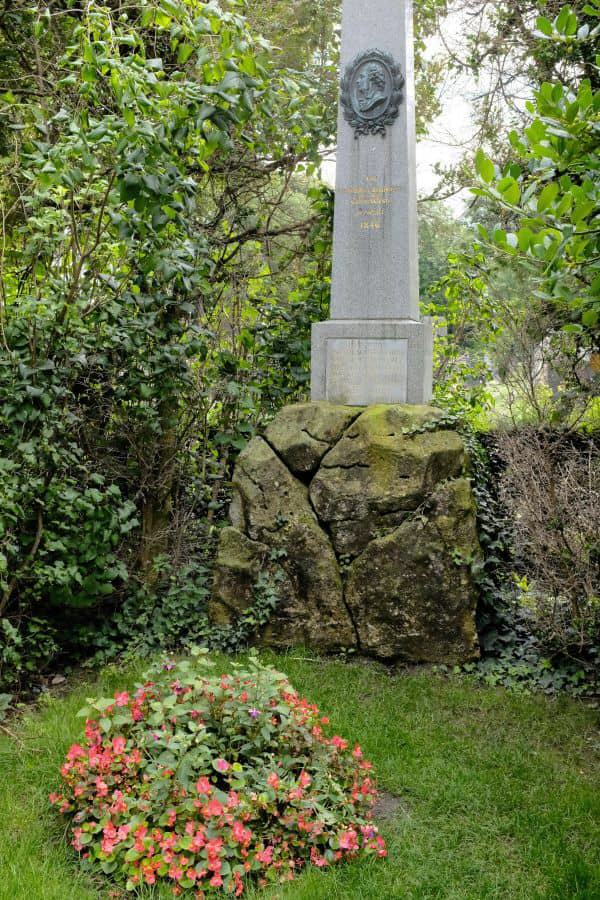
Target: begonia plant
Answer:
[[212, 783]]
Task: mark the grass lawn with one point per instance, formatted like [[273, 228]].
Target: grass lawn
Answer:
[[499, 795]]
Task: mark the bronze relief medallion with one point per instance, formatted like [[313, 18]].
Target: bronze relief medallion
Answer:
[[371, 92]]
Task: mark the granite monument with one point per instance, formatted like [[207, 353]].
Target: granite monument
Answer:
[[375, 348], [358, 506]]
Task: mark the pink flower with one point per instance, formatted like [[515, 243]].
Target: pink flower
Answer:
[[304, 780], [216, 880], [122, 699], [339, 743], [233, 800], [175, 873], [214, 847], [265, 856], [222, 765], [139, 834], [198, 842], [316, 859], [213, 808], [381, 845], [349, 840], [240, 834], [357, 752], [118, 745], [203, 786], [76, 752], [101, 787], [76, 842], [92, 732]]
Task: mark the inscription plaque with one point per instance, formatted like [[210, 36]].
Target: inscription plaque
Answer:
[[361, 371], [371, 92]]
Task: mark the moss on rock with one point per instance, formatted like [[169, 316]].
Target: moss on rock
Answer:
[[372, 522]]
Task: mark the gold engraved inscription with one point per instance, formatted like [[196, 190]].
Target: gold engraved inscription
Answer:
[[370, 202]]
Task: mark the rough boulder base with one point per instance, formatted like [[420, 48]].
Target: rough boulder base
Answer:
[[367, 519]]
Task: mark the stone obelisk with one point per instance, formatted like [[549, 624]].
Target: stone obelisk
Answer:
[[375, 348]]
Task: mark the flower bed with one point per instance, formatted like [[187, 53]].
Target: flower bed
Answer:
[[209, 783]]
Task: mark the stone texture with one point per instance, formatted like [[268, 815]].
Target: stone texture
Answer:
[[376, 269], [239, 564], [272, 514], [373, 546], [375, 348], [376, 475], [411, 594], [302, 434]]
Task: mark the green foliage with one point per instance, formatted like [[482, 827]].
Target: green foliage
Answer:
[[440, 236], [551, 192], [306, 37], [151, 205], [465, 318]]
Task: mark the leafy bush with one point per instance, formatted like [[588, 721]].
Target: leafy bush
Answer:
[[143, 181], [208, 783]]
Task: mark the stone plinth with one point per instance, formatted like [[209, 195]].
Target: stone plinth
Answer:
[[366, 520], [361, 362]]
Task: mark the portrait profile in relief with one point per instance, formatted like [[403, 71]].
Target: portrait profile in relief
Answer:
[[371, 92], [371, 88]]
